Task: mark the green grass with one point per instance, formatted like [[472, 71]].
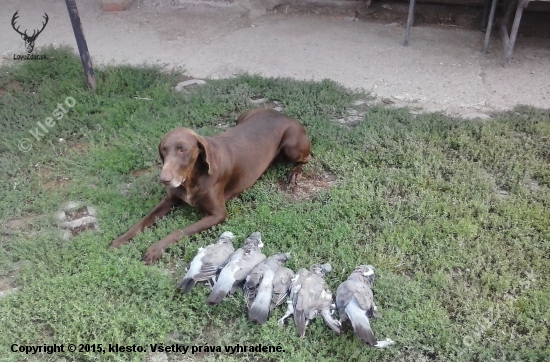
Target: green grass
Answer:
[[417, 197]]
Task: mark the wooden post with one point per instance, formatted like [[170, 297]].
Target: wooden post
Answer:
[[410, 21], [81, 42]]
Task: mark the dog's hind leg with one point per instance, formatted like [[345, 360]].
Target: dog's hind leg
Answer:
[[296, 148]]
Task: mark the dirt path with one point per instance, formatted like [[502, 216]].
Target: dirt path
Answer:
[[442, 69]]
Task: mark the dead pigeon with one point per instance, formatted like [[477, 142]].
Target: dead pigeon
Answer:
[[355, 301], [239, 265], [281, 286], [208, 262], [261, 283], [309, 297]]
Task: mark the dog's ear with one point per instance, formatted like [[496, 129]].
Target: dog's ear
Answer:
[[160, 153], [205, 153]]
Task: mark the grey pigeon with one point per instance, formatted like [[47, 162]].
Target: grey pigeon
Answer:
[[239, 265], [281, 286], [309, 297], [208, 262], [261, 283], [355, 301]]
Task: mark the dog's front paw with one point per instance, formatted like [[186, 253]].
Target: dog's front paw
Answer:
[[152, 254], [118, 242]]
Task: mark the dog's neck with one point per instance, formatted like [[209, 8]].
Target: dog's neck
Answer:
[[188, 188]]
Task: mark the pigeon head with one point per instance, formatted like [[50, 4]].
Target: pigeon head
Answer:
[[365, 273], [282, 257], [320, 269], [254, 240], [226, 236], [326, 268]]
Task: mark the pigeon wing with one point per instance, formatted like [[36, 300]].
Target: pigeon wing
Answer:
[[252, 282], [344, 293], [363, 295], [214, 260], [247, 263], [281, 286]]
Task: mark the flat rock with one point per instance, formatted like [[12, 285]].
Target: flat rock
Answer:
[[86, 220], [191, 82], [351, 120], [72, 206], [76, 218], [475, 115], [378, 102], [503, 194], [259, 101], [92, 211], [61, 216]]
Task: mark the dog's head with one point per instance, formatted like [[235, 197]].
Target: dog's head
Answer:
[[182, 152]]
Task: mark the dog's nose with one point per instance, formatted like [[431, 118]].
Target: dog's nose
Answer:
[[165, 178]]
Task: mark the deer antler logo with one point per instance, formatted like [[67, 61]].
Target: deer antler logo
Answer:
[[29, 39]]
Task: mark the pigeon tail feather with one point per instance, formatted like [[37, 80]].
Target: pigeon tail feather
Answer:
[[187, 284], [259, 311], [360, 323], [216, 296], [220, 291], [333, 324], [300, 320]]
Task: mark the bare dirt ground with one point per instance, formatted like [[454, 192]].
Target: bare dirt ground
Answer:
[[442, 69]]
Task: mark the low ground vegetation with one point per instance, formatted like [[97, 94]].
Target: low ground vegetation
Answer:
[[453, 214]]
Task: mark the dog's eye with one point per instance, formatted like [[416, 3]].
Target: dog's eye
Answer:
[[181, 149]]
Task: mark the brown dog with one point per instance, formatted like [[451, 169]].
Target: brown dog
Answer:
[[207, 171]]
